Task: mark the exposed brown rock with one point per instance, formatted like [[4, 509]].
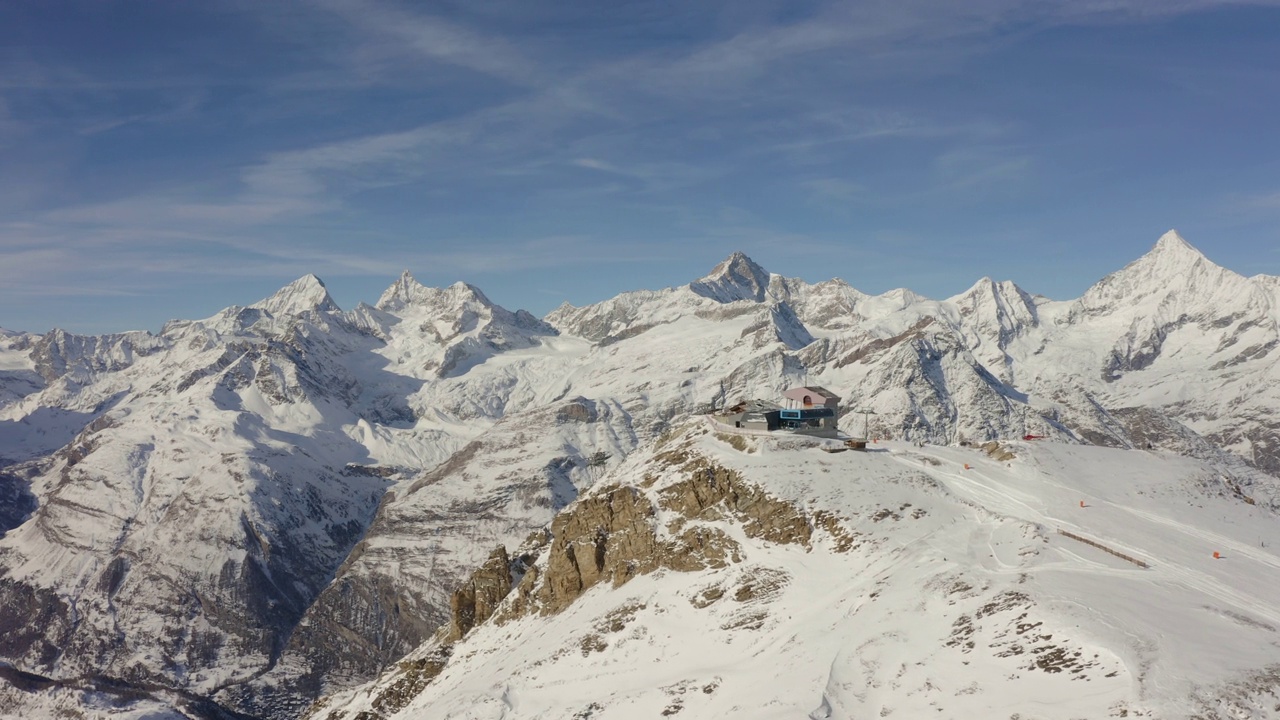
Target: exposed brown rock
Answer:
[[706, 596], [737, 442], [592, 643], [476, 600], [612, 535], [698, 548], [712, 492], [995, 450], [618, 619], [845, 540], [415, 676], [577, 410], [607, 536], [761, 584]]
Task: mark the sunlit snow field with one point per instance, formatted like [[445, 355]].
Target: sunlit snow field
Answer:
[[961, 601]]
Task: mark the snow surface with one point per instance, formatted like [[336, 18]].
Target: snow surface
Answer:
[[391, 446], [960, 586]]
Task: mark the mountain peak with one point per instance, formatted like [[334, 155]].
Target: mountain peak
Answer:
[[1171, 254], [738, 277], [401, 293], [407, 292], [1173, 243], [306, 294], [1173, 266]]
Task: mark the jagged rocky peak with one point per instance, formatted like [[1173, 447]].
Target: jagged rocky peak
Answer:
[[986, 287], [738, 277], [1004, 294], [306, 294], [59, 352], [407, 292], [980, 293], [404, 291], [985, 284]]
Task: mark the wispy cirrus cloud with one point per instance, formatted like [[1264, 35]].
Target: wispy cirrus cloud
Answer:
[[619, 90], [982, 167], [835, 190], [1262, 201], [390, 31], [280, 135]]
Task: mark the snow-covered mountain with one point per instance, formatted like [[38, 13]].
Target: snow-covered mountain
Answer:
[[250, 511], [722, 576]]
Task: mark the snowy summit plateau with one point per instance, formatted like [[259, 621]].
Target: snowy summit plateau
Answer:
[[748, 496]]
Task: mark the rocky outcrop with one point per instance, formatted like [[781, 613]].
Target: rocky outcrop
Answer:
[[715, 493], [737, 278], [610, 537], [997, 451], [476, 601], [613, 534], [607, 537]]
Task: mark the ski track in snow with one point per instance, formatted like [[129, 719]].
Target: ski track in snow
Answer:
[[998, 497]]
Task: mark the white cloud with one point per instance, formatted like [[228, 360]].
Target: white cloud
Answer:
[[982, 166], [1262, 201], [831, 189], [594, 164], [390, 29], [643, 115]]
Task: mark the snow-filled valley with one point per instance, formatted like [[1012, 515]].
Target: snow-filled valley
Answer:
[[274, 511]]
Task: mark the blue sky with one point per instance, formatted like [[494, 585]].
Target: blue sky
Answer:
[[165, 160]]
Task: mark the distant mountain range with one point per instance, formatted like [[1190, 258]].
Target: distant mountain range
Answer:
[[239, 515]]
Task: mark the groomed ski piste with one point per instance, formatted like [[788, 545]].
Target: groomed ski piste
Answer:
[[959, 598]]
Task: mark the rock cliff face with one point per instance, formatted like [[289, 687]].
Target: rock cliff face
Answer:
[[674, 520], [478, 598]]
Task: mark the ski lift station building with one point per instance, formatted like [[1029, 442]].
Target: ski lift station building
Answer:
[[811, 409], [807, 410]]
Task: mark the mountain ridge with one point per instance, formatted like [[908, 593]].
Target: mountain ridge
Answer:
[[348, 469]]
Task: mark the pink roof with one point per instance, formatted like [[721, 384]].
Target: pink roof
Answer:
[[817, 395]]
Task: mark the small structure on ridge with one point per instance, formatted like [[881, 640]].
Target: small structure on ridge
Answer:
[[812, 409], [807, 410], [755, 415]]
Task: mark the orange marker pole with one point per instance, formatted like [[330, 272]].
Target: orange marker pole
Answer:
[[1216, 556], [1081, 503]]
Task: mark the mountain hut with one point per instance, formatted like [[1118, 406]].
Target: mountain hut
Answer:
[[811, 409]]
